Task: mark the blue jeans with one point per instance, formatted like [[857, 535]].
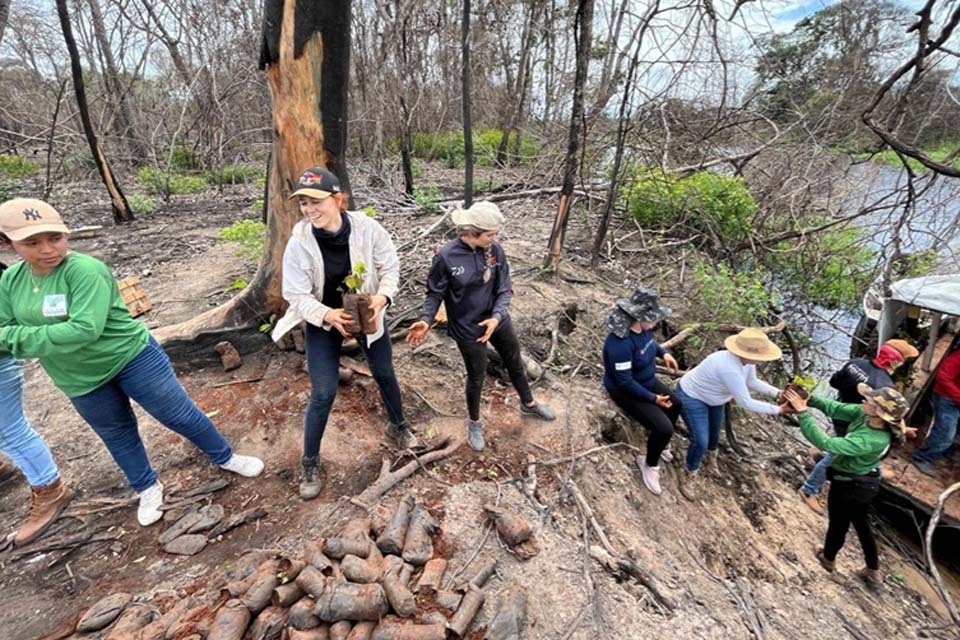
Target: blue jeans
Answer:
[[814, 482], [704, 423], [323, 363], [943, 431], [17, 438], [149, 380]]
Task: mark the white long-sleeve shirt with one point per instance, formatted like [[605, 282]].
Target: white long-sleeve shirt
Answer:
[[722, 377]]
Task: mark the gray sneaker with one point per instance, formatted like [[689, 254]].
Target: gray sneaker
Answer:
[[475, 435], [539, 410], [311, 484]]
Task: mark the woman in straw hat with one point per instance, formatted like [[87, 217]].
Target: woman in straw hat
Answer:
[[324, 249], [65, 308], [854, 472], [471, 277], [629, 368], [722, 377]]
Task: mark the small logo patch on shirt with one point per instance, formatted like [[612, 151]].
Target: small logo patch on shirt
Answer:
[[55, 306]]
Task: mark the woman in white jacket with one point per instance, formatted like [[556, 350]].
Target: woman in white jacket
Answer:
[[323, 249]]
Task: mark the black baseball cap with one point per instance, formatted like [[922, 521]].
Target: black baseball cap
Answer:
[[317, 183]]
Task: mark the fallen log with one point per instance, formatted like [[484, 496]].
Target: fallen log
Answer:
[[268, 625], [230, 621], [418, 544], [130, 623], [466, 612], [390, 540], [103, 612], [507, 624], [432, 576], [388, 479], [301, 614]]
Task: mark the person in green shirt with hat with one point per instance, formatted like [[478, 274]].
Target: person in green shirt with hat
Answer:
[[65, 309], [875, 426]]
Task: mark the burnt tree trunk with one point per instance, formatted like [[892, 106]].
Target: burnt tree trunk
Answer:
[[583, 34], [121, 209], [467, 118], [616, 171], [305, 51]]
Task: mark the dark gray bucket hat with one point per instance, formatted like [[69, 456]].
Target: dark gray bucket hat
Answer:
[[643, 306]]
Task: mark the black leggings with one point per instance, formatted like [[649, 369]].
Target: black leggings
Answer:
[[504, 340], [658, 421], [849, 503]]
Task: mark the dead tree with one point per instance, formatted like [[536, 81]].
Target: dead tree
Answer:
[[305, 51], [121, 209], [4, 13], [583, 35], [467, 121]]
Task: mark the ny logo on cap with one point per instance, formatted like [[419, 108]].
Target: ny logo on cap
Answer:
[[31, 214]]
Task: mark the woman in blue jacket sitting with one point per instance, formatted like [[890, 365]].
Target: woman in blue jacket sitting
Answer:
[[629, 368]]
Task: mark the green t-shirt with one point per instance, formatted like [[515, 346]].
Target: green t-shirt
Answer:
[[72, 319], [860, 451]]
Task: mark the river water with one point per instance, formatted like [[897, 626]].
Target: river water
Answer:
[[931, 222]]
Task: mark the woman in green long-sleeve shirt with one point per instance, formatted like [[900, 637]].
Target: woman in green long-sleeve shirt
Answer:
[[65, 309], [875, 426]]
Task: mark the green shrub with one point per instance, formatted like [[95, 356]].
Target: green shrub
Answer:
[[17, 167], [157, 182], [142, 204], [448, 146], [735, 296], [370, 212], [428, 199], [704, 201], [831, 269], [249, 234], [184, 159], [235, 174]]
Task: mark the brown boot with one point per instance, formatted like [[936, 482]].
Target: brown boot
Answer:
[[7, 470], [829, 565], [46, 505], [871, 577], [689, 484], [811, 501]]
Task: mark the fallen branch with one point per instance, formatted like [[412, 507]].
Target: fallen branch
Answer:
[[851, 628], [622, 569], [725, 327], [389, 479], [928, 552]]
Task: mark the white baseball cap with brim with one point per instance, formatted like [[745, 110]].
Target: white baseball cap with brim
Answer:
[[21, 218], [753, 344], [317, 183], [482, 215]]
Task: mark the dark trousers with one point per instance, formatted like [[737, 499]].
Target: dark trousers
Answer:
[[657, 420], [323, 363], [504, 340], [849, 503]]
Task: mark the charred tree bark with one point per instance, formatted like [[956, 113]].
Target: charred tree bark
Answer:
[[121, 209], [467, 118], [305, 53], [4, 14], [583, 33]]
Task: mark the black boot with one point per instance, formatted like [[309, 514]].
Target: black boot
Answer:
[[402, 437]]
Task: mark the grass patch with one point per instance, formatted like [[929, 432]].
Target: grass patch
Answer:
[[250, 235]]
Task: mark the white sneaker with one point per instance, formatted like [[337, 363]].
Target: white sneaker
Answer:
[[246, 466], [667, 455], [150, 500], [651, 476]]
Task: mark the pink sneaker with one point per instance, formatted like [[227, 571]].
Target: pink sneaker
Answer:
[[651, 476]]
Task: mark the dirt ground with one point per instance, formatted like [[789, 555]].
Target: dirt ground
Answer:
[[738, 564]]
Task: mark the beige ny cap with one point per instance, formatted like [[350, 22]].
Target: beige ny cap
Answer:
[[21, 218], [482, 215]]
